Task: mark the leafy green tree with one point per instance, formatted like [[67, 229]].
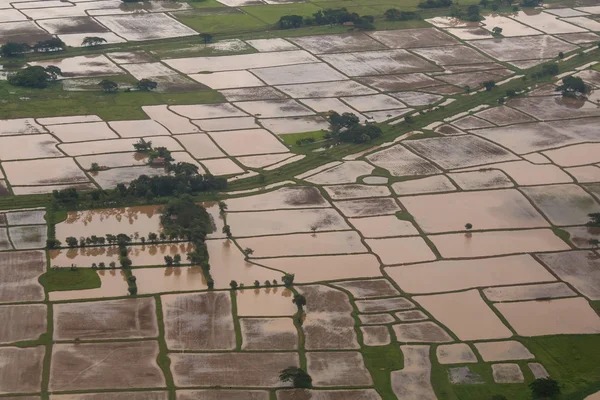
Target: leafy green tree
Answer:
[[92, 41], [109, 86], [290, 21], [53, 243], [54, 44], [72, 241], [299, 301], [168, 261], [256, 284], [288, 279], [177, 260], [489, 85], [594, 219], [233, 285], [594, 242], [12, 49], [206, 37], [497, 31], [468, 226], [227, 231], [34, 77], [298, 377], [544, 388], [573, 86], [184, 168], [146, 85], [345, 120], [248, 251]]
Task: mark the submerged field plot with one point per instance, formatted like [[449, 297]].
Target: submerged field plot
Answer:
[[454, 257]]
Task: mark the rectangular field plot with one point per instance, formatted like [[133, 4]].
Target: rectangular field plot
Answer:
[[402, 162], [79, 132], [389, 83], [269, 302], [499, 209], [578, 268], [200, 321], [109, 179], [112, 319], [563, 204], [546, 23], [219, 394], [338, 369], [83, 66], [300, 73], [452, 55], [378, 63], [23, 126], [369, 288], [407, 38], [228, 79], [351, 394], [28, 237], [284, 198], [320, 268], [116, 365], [445, 276], [401, 250], [274, 108], [27, 322], [465, 314], [248, 142], [305, 244], [350, 42], [523, 48], [117, 145], [528, 292], [466, 151], [143, 26], [551, 317], [383, 226], [28, 147], [19, 272], [22, 32], [21, 369], [285, 221], [550, 108], [231, 369], [484, 244], [154, 395], [268, 334], [61, 26]]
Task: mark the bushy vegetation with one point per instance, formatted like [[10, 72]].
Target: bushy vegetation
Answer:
[[35, 77], [298, 377], [573, 87], [330, 16], [396, 15], [346, 128], [471, 13], [435, 3], [548, 69]]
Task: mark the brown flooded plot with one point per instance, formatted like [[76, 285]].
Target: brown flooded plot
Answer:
[[112, 319], [338, 369], [21, 369], [384, 305], [155, 395], [128, 220], [412, 315], [452, 55], [304, 244], [401, 250], [315, 269], [471, 122], [230, 369], [389, 83], [369, 288], [384, 226], [563, 204], [477, 180], [367, 207], [116, 365], [551, 317], [199, 321], [347, 172], [51, 171], [259, 223], [375, 335], [23, 322], [529, 292], [308, 394], [402, 162], [356, 191], [378, 62], [19, 272], [407, 38], [466, 314], [268, 334], [351, 42], [503, 351], [498, 209], [458, 353], [525, 173], [444, 276], [581, 269], [28, 237], [113, 283], [523, 48], [504, 115], [219, 394], [285, 198], [432, 184], [28, 147], [553, 108], [27, 217], [417, 332], [466, 151]]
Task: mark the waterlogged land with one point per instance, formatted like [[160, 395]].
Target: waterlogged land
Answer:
[[450, 258]]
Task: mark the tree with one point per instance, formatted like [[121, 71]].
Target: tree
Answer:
[[290, 21], [233, 284], [206, 37], [222, 207], [298, 377], [594, 242], [561, 55], [473, 13], [54, 44], [142, 146], [268, 283], [112, 264], [168, 261], [177, 260], [498, 397], [12, 49], [544, 388], [102, 265], [573, 86], [227, 231], [108, 86], [365, 23], [53, 243], [288, 279], [248, 251], [345, 120], [256, 283], [35, 77], [92, 41], [146, 85], [468, 226], [72, 241], [489, 85], [497, 31], [299, 301], [184, 168]]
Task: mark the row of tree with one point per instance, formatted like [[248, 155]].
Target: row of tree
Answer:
[[144, 85], [14, 49], [330, 16]]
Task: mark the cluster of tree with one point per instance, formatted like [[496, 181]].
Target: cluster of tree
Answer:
[[347, 128], [13, 49], [112, 265], [185, 218], [330, 16], [163, 155], [471, 13], [92, 41], [531, 3], [298, 377], [35, 76], [548, 69], [435, 3], [396, 15], [144, 85], [573, 87], [488, 85], [496, 4], [126, 264], [173, 261]]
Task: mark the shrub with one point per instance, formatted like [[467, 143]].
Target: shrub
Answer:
[[544, 388]]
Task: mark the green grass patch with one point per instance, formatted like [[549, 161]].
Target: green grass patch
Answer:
[[58, 279], [561, 233], [271, 13], [380, 361], [205, 4], [224, 23], [292, 138], [404, 216], [54, 102], [351, 6]]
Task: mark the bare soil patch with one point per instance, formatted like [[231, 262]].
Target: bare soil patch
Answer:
[[421, 332], [503, 351], [413, 382], [402, 162], [21, 369], [457, 353], [338, 369], [19, 272], [367, 207], [268, 334], [364, 289], [581, 269], [375, 335], [24, 322]]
